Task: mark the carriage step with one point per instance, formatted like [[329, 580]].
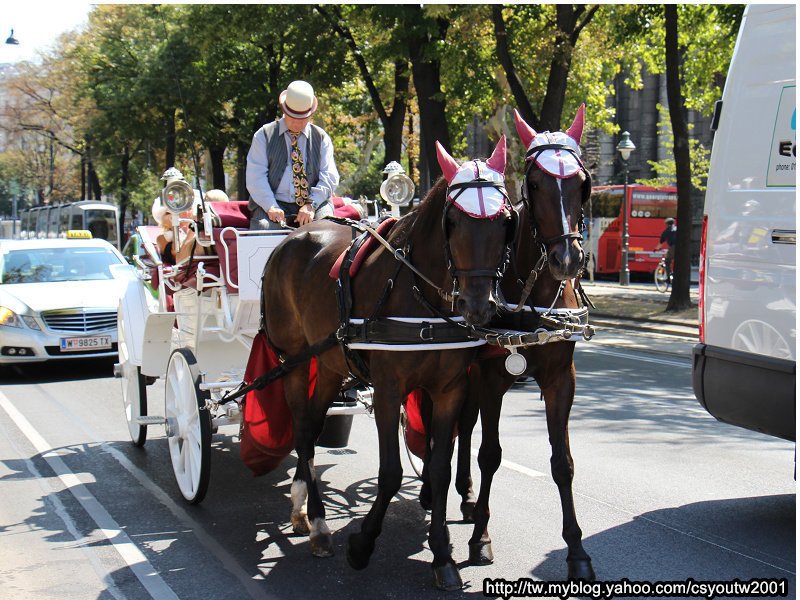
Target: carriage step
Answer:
[[150, 420]]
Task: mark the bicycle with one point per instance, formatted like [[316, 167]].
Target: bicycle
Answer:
[[662, 277]]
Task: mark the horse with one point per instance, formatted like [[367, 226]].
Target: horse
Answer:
[[468, 215], [555, 187]]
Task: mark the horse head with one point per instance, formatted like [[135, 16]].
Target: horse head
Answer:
[[555, 187], [479, 223]]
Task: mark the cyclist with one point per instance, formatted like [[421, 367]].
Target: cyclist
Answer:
[[669, 237]]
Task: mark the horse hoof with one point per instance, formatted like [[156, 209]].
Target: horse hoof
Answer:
[[467, 510], [301, 525], [580, 569], [358, 552], [322, 546], [447, 578], [480, 554]]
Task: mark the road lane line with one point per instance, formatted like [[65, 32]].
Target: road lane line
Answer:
[[83, 543], [130, 553], [248, 581], [515, 467]]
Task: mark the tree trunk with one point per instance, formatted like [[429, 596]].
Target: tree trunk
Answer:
[[241, 167], [679, 298], [426, 70], [217, 154], [393, 127], [504, 56], [169, 141], [124, 192]]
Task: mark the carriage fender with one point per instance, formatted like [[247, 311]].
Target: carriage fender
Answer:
[[134, 305], [157, 343]]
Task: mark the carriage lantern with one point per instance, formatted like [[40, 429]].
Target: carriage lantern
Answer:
[[177, 196], [397, 189]]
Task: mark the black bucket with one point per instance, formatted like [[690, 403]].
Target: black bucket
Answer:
[[336, 432]]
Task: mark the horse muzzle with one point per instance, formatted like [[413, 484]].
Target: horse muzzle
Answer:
[[565, 260], [477, 309]]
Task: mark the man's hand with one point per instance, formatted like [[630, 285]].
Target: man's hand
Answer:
[[305, 215], [275, 214]]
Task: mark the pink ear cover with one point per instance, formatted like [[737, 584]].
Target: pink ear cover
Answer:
[[497, 161], [446, 162], [575, 130], [525, 132]]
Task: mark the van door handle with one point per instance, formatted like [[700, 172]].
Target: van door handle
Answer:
[[784, 236]]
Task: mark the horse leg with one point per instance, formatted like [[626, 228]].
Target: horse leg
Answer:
[[466, 425], [446, 408], [490, 386], [558, 399], [426, 409], [308, 421], [390, 476]]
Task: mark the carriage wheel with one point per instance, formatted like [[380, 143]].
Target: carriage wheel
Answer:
[[134, 388], [416, 462], [188, 426], [662, 278]]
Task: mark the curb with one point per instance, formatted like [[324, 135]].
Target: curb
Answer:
[[647, 325]]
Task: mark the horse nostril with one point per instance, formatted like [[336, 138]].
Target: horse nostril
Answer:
[[555, 259], [461, 305]]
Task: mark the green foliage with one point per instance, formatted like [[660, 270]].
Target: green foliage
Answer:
[[210, 74], [665, 169]]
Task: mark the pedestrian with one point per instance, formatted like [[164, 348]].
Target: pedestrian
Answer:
[[669, 237], [290, 166]]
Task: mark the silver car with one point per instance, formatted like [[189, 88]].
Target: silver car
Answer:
[[58, 299]]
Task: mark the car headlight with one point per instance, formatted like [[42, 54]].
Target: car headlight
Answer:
[[31, 322], [9, 318]]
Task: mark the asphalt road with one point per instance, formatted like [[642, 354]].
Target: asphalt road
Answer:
[[662, 490]]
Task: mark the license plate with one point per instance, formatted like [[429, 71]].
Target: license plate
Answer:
[[98, 342]]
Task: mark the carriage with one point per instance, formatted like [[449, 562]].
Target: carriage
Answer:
[[194, 324]]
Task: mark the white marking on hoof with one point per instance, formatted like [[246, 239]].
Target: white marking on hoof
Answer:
[[319, 527]]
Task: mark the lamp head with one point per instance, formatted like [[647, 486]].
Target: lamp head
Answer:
[[625, 146]]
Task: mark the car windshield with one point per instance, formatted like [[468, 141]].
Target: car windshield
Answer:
[[40, 265]]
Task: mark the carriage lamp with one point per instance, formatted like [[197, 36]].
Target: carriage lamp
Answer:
[[625, 147], [397, 189]]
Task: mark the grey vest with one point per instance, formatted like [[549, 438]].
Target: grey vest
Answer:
[[277, 156]]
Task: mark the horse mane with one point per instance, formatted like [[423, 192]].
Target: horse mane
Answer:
[[427, 215]]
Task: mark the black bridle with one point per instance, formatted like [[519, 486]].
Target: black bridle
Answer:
[[530, 158], [498, 272]]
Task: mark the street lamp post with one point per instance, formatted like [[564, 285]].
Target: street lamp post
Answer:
[[625, 147]]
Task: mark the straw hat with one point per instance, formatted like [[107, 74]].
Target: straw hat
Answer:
[[298, 100]]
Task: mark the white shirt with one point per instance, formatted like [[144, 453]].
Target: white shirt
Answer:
[[258, 169]]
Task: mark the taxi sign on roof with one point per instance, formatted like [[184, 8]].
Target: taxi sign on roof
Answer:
[[79, 234]]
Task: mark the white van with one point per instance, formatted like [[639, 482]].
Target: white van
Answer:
[[744, 366]]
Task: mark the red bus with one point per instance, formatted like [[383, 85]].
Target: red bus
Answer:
[[649, 207]]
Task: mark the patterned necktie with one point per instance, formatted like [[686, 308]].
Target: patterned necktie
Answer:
[[298, 173]]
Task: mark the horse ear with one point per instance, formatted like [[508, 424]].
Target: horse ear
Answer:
[[446, 162], [525, 132], [575, 130], [497, 161]]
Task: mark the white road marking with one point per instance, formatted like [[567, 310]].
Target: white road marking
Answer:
[[119, 540], [516, 467]]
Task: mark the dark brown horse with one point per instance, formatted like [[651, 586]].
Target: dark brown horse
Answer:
[[555, 187], [451, 245]]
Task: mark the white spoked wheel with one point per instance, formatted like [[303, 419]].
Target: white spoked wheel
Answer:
[[662, 278], [188, 426], [134, 389], [416, 462]]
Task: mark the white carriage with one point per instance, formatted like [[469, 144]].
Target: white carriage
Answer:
[[193, 324]]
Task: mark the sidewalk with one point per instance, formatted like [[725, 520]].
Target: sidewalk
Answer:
[[640, 302]]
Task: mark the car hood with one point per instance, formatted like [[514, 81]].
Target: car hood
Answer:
[[64, 294]]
